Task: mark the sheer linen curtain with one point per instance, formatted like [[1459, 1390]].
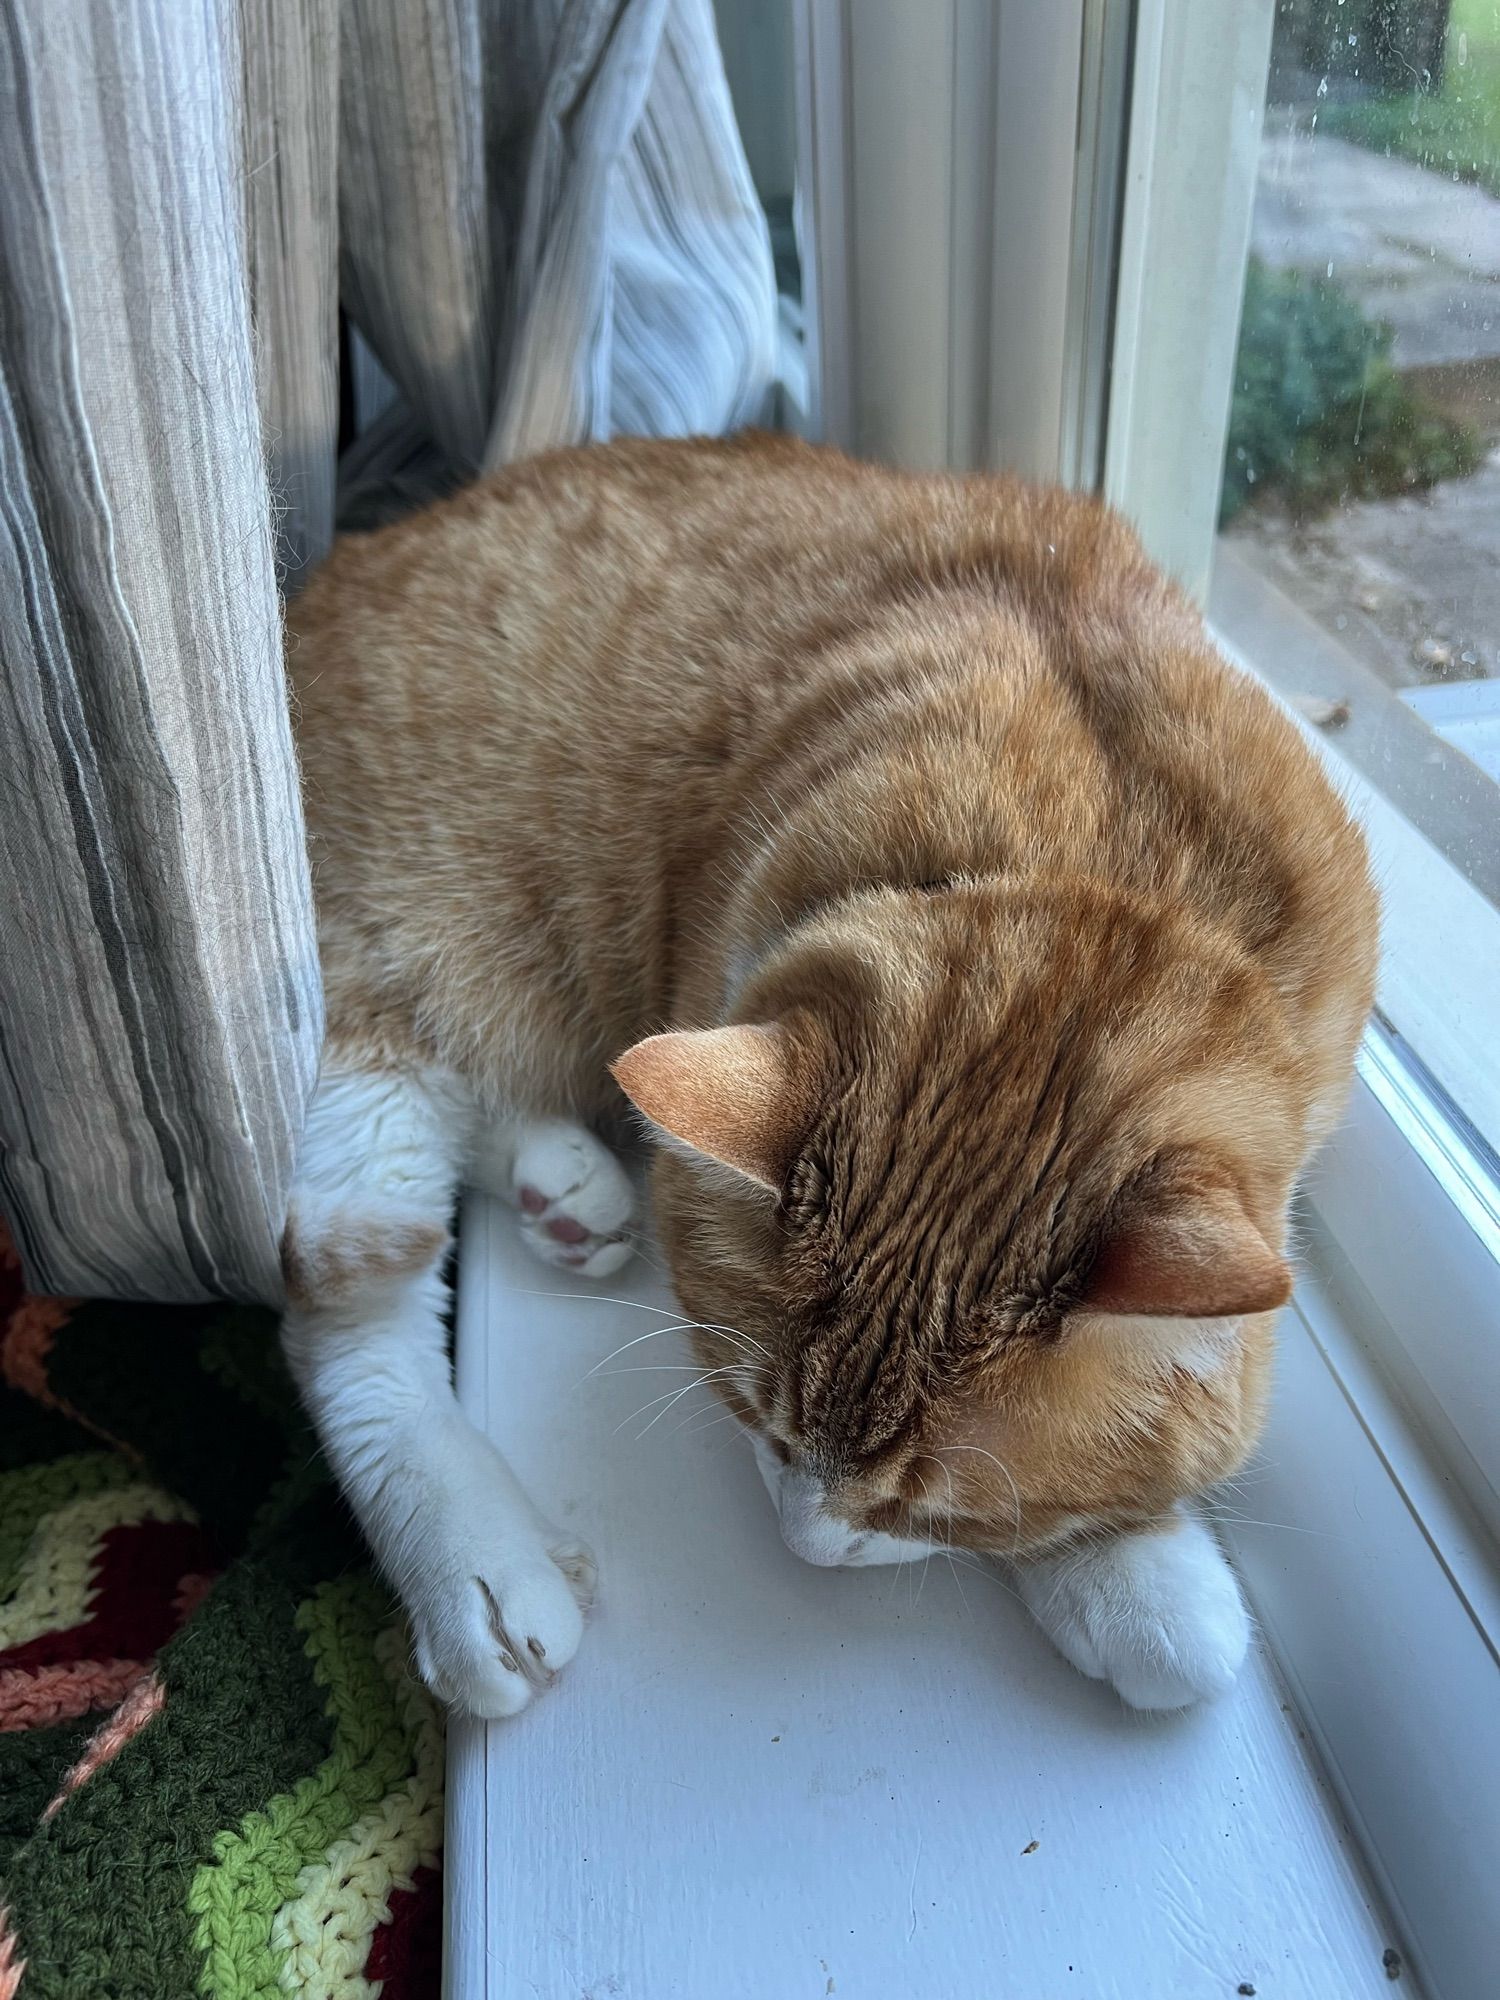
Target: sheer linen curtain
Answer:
[[538, 216]]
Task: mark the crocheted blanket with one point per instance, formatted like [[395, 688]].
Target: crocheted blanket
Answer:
[[217, 1775]]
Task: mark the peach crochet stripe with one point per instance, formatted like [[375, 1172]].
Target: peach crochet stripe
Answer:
[[146, 1699], [26, 1343], [12, 1965], [36, 1697]]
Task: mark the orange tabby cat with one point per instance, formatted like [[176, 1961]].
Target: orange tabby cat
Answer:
[[984, 953]]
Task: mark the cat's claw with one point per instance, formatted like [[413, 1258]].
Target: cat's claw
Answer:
[[576, 1200], [488, 1643], [1158, 1614]]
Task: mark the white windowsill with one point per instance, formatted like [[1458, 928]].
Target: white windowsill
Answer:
[[759, 1780]]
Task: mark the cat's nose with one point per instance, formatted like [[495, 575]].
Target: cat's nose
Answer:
[[808, 1529]]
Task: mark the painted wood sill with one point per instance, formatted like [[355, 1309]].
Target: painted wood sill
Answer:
[[761, 1781]]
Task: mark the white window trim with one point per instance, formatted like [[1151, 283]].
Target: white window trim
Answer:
[[1197, 106], [1376, 1591], [941, 169]]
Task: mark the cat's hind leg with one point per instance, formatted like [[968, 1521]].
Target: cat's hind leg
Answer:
[[576, 1202], [495, 1593]]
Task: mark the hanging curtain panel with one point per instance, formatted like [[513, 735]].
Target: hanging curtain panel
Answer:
[[549, 232], [160, 1009], [287, 173]]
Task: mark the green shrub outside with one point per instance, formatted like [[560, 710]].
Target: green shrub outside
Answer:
[[1319, 415]]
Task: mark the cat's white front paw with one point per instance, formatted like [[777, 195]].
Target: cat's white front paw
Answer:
[[1159, 1614], [501, 1620], [575, 1198]]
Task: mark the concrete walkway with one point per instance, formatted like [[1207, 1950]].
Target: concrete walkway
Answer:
[[1411, 586], [1414, 247]]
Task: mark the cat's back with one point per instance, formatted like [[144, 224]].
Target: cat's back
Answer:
[[687, 598], [554, 704]]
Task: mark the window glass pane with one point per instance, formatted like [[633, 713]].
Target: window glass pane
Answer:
[[755, 37], [1358, 559]]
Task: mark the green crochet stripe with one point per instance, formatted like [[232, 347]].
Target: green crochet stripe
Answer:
[[256, 1867], [322, 1937], [32, 1492], [34, 1763], [99, 1891], [237, 1351]]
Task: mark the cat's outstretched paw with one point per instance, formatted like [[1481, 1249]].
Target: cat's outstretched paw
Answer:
[[576, 1200], [1158, 1614], [488, 1641]]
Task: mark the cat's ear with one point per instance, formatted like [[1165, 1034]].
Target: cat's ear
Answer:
[[1191, 1253], [736, 1095]]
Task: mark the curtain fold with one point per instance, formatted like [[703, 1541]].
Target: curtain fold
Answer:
[[548, 228], [288, 179], [538, 215], [159, 995]]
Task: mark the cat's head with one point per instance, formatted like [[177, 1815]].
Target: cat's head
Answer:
[[980, 1206]]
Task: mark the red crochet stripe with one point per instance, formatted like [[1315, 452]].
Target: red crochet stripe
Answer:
[[136, 1600], [407, 1953]]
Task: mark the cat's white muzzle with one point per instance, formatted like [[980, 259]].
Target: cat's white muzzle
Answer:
[[818, 1536]]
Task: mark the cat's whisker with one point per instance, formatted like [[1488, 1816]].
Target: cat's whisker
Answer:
[[732, 1332], [984, 1566], [927, 1558], [656, 1367], [639, 1305], [593, 1298], [927, 1502], [675, 1326], [690, 1427], [668, 1396], [946, 1543], [655, 1334], [675, 1396], [958, 1583], [1015, 1491], [1284, 1527]]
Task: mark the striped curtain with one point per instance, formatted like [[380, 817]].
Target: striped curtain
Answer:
[[537, 216]]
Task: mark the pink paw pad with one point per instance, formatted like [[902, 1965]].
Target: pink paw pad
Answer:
[[533, 1201], [563, 1229]]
